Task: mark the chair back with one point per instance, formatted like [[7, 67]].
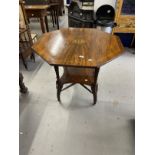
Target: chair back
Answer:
[[25, 39], [23, 22]]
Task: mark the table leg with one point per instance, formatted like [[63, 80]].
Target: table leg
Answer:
[[46, 23], [58, 83], [96, 74], [94, 86], [56, 17], [52, 17], [42, 24], [56, 68]]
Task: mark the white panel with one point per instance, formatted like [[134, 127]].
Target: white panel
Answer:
[[99, 3]]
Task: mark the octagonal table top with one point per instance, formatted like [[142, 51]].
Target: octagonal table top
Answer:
[[78, 47]]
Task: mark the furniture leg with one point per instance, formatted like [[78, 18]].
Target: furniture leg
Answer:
[[32, 56], [56, 68], [52, 17], [58, 84], [28, 20], [94, 91], [23, 60], [133, 39], [42, 24], [53, 20], [23, 88], [94, 87], [59, 88], [96, 74], [46, 23], [56, 16]]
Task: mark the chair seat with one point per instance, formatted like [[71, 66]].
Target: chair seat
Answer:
[[77, 75]]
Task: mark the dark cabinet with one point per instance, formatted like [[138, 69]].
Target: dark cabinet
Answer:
[[73, 22], [80, 18]]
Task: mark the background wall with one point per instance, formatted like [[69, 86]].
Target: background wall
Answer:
[[98, 3], [64, 2]]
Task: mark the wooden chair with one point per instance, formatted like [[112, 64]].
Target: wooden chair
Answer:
[[26, 38], [61, 9], [25, 43], [83, 76]]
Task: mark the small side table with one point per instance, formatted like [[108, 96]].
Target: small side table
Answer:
[[38, 11], [81, 56]]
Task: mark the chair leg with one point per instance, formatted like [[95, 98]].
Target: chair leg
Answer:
[[52, 17], [32, 56], [23, 88], [25, 65], [57, 19], [28, 20], [59, 88], [94, 89]]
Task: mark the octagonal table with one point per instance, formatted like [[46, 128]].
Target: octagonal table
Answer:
[[81, 52]]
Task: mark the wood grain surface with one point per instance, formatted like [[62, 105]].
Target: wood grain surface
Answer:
[[36, 7], [78, 47]]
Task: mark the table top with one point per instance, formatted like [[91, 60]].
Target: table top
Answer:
[[36, 7], [78, 47]]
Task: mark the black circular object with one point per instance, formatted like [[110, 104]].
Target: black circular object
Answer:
[[105, 12], [105, 16]]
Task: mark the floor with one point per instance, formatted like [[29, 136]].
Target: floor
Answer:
[[75, 127]]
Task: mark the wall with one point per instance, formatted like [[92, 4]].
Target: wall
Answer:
[[64, 2], [98, 3]]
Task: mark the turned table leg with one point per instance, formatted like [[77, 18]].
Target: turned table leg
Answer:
[[46, 23], [94, 87], [58, 84], [42, 24]]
